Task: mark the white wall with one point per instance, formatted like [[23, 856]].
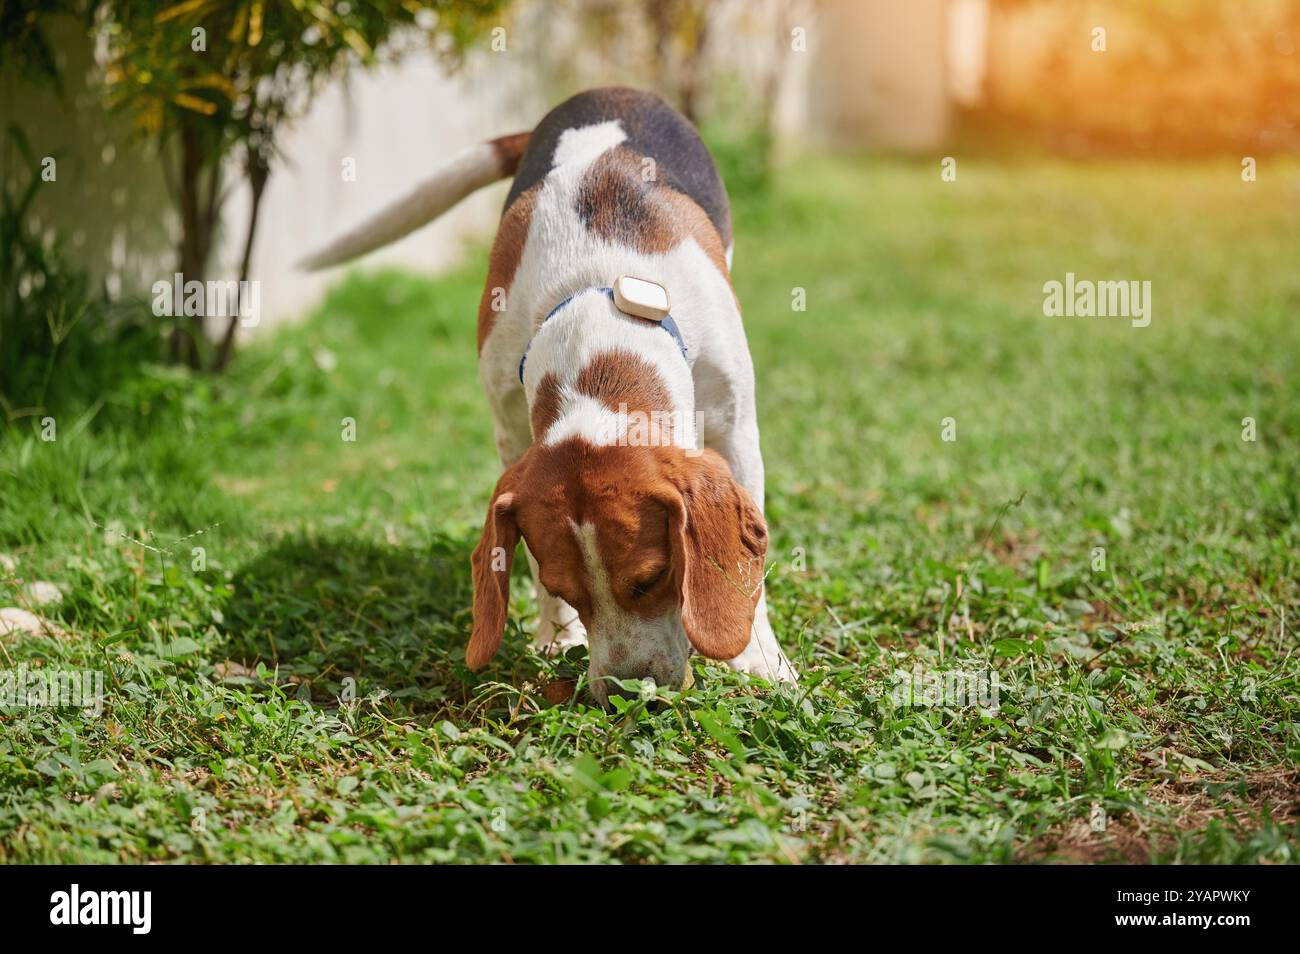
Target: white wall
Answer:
[[397, 124]]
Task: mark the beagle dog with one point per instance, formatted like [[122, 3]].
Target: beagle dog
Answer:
[[614, 359]]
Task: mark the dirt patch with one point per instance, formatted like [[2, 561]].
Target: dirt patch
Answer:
[[1189, 805]]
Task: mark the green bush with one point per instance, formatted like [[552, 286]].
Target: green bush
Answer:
[[64, 344]]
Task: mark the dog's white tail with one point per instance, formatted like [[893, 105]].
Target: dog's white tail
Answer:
[[468, 172]]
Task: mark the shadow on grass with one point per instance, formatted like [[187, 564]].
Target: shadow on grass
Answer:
[[395, 619]]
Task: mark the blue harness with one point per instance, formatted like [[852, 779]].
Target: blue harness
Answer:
[[667, 324]]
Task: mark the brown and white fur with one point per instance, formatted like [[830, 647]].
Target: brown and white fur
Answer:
[[643, 552]]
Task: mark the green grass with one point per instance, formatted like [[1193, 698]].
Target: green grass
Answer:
[[1162, 688]]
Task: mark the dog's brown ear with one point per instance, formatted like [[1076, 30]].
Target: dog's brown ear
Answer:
[[719, 542], [491, 563]]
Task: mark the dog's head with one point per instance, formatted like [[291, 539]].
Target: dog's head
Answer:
[[658, 549]]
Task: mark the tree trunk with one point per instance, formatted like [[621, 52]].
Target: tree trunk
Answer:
[[258, 173], [198, 208]]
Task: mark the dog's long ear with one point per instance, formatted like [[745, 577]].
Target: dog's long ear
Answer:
[[491, 563], [719, 542]]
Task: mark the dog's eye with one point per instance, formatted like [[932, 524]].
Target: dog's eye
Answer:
[[645, 586]]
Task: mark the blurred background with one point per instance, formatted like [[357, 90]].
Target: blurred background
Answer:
[[319, 117], [232, 155]]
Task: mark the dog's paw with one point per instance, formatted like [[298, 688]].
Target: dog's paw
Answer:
[[559, 630], [766, 662]]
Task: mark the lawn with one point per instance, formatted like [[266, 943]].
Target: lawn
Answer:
[[280, 614]]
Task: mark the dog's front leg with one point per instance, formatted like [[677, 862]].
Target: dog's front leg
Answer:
[[763, 656], [558, 626]]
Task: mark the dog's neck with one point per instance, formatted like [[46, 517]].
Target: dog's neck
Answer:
[[611, 379]]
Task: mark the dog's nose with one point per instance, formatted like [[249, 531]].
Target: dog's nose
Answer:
[[647, 690], [649, 687]]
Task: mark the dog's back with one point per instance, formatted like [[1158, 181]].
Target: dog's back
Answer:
[[657, 150], [654, 131]]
